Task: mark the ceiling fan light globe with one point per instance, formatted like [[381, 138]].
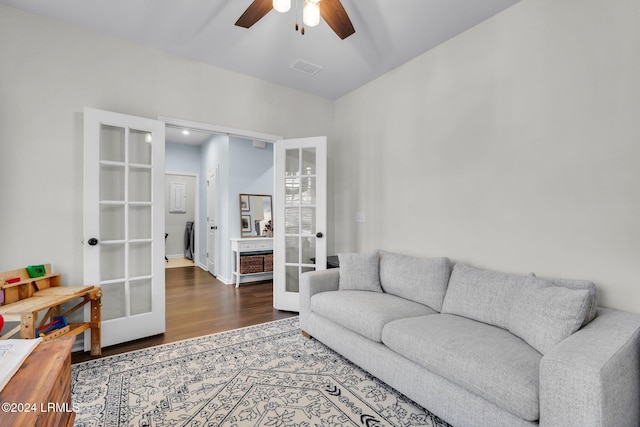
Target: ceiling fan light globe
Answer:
[[282, 5], [311, 13]]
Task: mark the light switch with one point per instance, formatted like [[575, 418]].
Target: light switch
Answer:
[[359, 216]]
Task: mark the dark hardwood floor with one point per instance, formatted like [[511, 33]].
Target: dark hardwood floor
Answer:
[[197, 304]]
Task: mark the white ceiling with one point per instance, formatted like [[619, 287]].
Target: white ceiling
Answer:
[[388, 34], [176, 135]]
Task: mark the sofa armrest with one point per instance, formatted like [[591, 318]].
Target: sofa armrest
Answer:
[[593, 377], [314, 282]]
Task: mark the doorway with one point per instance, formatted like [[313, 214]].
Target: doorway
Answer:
[[183, 164], [209, 151], [181, 207]]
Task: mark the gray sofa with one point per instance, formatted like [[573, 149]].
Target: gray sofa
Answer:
[[478, 347]]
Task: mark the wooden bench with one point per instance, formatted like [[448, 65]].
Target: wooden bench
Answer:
[[26, 298]]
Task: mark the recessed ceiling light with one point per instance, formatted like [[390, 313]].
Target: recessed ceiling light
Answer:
[[185, 132]]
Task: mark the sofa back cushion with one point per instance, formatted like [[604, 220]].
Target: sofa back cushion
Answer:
[[543, 314], [482, 295], [587, 285], [422, 280], [360, 272]]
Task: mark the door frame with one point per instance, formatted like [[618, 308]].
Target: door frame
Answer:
[[224, 130]]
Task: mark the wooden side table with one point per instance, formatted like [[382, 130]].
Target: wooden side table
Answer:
[[39, 394]]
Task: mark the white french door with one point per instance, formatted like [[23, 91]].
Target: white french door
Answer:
[[124, 223], [301, 216]]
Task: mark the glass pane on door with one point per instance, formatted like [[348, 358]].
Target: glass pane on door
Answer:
[[308, 250], [112, 259], [139, 259], [308, 191], [112, 141], [292, 279], [292, 250], [141, 296], [112, 182], [113, 300], [140, 222], [308, 161], [308, 220], [139, 147], [139, 184], [292, 163], [112, 222]]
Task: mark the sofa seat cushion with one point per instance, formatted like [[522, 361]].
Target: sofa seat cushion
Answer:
[[486, 360], [365, 312]]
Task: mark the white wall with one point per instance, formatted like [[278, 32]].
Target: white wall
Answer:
[[251, 172], [50, 71], [514, 146]]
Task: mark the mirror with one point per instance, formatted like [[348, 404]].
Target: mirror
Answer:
[[255, 215]]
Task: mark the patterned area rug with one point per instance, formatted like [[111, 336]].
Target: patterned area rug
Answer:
[[264, 375]]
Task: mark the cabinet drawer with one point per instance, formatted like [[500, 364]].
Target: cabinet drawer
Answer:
[[247, 246], [264, 245], [255, 246]]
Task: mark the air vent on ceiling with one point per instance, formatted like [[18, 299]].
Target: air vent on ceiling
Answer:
[[305, 67]]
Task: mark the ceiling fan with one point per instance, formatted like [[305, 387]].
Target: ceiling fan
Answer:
[[331, 11]]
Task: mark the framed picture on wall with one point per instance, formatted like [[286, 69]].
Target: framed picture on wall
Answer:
[[246, 223], [244, 202]]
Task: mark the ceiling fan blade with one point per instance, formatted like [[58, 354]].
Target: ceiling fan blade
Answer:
[[254, 13], [334, 14]]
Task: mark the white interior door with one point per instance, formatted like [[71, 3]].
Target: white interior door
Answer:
[[124, 222], [212, 221], [301, 215]]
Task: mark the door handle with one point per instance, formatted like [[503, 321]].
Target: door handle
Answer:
[[319, 235], [92, 241]]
